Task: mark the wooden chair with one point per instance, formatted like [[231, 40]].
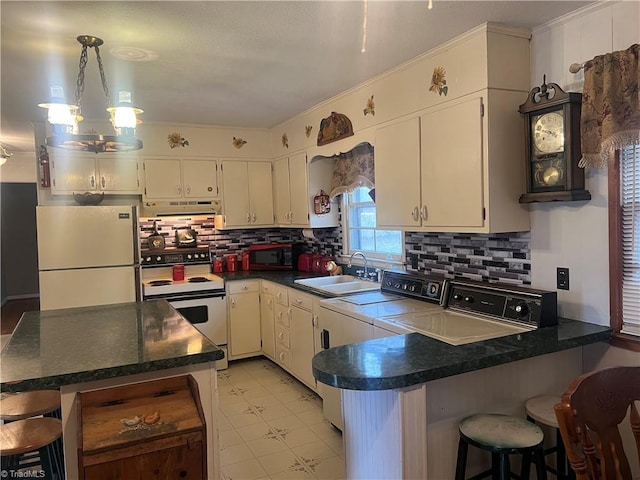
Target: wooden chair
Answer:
[[589, 415]]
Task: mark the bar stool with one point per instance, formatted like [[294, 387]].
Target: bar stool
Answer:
[[20, 406], [30, 404], [540, 410], [32, 435], [502, 435]]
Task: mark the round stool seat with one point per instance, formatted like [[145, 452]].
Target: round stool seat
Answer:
[[497, 432], [29, 404], [23, 436], [541, 409]]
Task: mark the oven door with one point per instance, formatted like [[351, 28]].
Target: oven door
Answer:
[[209, 315]]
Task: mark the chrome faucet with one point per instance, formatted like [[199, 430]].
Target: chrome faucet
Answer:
[[365, 262]]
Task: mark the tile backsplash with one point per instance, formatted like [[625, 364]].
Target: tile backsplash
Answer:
[[327, 241], [503, 257]]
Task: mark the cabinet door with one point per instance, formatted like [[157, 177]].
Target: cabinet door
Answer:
[[452, 173], [281, 197], [236, 193], [299, 200], [244, 323], [302, 348], [267, 325], [260, 193], [397, 158], [200, 178], [118, 174], [73, 172], [162, 179]]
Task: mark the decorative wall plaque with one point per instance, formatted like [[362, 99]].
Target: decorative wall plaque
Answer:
[[438, 82], [238, 142], [176, 140], [333, 128], [307, 130], [370, 108]]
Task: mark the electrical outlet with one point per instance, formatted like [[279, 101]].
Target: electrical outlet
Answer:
[[562, 278]]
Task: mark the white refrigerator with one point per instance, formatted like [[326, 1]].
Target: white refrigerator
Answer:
[[87, 255]]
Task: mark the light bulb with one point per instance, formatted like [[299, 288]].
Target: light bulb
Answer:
[[124, 115], [60, 114]]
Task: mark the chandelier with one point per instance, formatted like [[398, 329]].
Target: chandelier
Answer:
[[64, 118]]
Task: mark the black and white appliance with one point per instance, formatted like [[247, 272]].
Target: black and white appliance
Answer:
[[199, 296], [453, 311]]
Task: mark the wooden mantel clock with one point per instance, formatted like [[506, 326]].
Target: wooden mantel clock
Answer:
[[552, 135]]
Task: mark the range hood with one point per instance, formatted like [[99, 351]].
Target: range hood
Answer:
[[163, 209]]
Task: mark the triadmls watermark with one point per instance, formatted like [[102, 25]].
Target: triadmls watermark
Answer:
[[21, 473]]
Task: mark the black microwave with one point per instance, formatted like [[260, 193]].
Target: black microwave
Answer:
[[274, 256]]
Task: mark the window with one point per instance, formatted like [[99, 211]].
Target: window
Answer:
[[624, 246], [359, 224]]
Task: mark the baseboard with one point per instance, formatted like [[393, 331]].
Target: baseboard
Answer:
[[26, 296]]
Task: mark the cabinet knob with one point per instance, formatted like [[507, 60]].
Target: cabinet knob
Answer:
[[179, 189], [93, 181], [423, 212], [187, 189], [209, 189], [253, 217], [103, 182], [244, 287], [414, 214], [298, 301]]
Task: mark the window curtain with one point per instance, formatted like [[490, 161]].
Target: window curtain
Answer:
[[353, 169], [610, 117]]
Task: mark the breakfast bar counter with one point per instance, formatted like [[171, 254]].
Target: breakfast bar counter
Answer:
[[403, 396], [89, 348]]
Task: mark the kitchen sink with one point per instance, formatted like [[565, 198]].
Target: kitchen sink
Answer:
[[339, 284]]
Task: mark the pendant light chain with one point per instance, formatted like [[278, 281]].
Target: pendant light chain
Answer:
[[80, 81], [103, 78], [84, 57]]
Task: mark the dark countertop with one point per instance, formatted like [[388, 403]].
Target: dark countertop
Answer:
[[405, 360], [61, 347]]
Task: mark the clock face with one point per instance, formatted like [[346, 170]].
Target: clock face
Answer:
[[548, 132], [157, 243]]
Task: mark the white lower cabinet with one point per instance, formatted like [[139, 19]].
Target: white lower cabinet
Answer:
[[338, 329], [301, 332], [243, 303], [288, 316], [267, 325]]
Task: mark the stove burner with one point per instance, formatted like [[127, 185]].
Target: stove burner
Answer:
[[159, 283], [198, 279]]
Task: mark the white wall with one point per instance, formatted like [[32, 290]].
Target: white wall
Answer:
[[20, 168], [575, 234]]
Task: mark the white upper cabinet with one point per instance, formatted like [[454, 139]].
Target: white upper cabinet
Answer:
[[247, 194], [451, 166], [397, 161], [290, 195], [173, 179], [457, 167], [79, 172]]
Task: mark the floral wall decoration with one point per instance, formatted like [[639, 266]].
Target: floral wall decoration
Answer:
[[438, 82], [335, 127], [370, 108], [307, 130], [238, 142], [285, 140], [176, 140]]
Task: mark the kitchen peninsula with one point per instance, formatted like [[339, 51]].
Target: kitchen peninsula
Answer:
[[403, 396], [88, 348]]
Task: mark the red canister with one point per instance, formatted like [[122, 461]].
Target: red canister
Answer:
[[245, 261], [178, 272], [232, 263], [217, 265]]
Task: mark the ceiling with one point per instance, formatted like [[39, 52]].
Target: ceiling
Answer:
[[236, 63]]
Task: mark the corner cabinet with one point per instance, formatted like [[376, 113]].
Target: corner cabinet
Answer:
[[454, 168], [79, 172], [176, 179], [247, 195], [243, 303], [290, 197]]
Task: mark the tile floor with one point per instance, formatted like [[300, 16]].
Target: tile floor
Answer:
[[272, 427]]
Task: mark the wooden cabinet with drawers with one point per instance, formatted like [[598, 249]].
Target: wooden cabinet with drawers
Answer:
[[150, 430]]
